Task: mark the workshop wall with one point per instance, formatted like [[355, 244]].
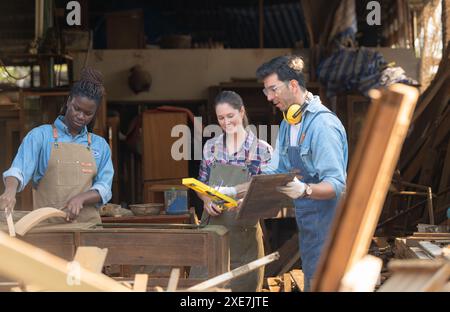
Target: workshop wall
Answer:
[[179, 75], [176, 74]]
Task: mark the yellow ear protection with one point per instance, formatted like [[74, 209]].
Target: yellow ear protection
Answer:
[[294, 113]]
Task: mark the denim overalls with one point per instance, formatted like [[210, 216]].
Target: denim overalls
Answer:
[[313, 217]]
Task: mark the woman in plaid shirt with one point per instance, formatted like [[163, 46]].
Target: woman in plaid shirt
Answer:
[[228, 160]]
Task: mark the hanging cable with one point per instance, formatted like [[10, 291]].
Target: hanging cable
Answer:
[[2, 65]]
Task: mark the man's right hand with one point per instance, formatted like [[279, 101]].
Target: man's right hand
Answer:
[[8, 201]]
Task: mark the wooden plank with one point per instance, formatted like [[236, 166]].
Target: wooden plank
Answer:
[[430, 235], [35, 217], [432, 249], [443, 201], [261, 200], [287, 251], [440, 78], [402, 251], [417, 276], [140, 282], [298, 278], [291, 262], [274, 284], [91, 258], [287, 282], [414, 264], [173, 280], [10, 222], [235, 273], [23, 262], [370, 173]]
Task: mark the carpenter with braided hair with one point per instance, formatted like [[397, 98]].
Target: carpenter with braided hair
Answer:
[[70, 167]]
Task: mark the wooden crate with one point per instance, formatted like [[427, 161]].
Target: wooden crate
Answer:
[[174, 247]]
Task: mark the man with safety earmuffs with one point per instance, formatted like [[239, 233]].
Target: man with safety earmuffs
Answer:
[[312, 142]]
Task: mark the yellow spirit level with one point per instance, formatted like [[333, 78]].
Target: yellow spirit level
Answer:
[[216, 196]]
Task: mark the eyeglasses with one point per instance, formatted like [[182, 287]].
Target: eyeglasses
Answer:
[[272, 89]]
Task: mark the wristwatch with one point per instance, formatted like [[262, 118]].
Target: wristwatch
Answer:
[[308, 191]]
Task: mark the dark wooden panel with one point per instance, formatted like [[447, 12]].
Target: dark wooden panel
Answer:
[[177, 247], [59, 244], [150, 248]]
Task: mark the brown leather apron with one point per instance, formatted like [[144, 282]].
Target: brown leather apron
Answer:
[[246, 243], [71, 170]]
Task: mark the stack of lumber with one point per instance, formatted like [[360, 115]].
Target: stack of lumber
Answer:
[[292, 281], [424, 246], [418, 276], [425, 157]]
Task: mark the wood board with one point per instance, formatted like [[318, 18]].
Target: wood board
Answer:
[[262, 200], [417, 276]]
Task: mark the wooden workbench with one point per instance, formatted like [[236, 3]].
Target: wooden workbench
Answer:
[[163, 246], [161, 218]]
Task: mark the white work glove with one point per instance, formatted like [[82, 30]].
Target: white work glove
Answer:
[[293, 189], [228, 191]]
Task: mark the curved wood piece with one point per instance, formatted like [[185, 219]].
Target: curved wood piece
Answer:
[[36, 216]]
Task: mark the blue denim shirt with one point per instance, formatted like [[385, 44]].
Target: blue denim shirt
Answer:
[[34, 153], [324, 148]]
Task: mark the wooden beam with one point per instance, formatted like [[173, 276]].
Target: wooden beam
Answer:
[[370, 174], [441, 77], [298, 278], [274, 284], [417, 275], [10, 222], [91, 258], [33, 266], [432, 249], [288, 266], [213, 282], [173, 280], [287, 282], [35, 217], [287, 251], [140, 282]]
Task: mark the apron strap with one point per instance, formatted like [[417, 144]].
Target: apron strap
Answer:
[[89, 138], [303, 132], [55, 136]]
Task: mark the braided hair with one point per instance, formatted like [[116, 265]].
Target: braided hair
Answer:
[[89, 86]]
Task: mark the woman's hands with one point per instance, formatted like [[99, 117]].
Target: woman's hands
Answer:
[[211, 208]]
